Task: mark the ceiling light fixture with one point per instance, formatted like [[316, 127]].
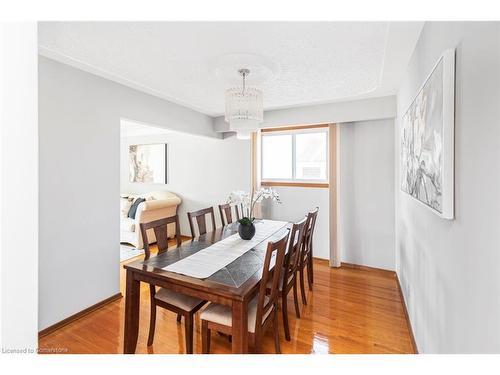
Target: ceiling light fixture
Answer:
[[244, 108]]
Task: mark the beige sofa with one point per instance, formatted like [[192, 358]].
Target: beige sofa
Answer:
[[158, 204]]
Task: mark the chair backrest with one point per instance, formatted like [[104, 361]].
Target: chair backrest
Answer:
[[308, 234], [270, 270], [201, 220], [295, 244], [159, 228], [226, 215]]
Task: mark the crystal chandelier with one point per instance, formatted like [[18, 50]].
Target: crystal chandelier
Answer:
[[244, 109]]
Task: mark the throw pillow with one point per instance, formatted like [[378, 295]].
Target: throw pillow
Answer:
[[125, 204], [133, 208]]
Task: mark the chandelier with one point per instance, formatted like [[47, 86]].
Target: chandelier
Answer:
[[244, 109]]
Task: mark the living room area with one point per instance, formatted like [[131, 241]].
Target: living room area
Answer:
[[179, 164]]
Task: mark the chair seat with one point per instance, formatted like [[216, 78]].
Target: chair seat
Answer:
[[186, 303], [221, 314]]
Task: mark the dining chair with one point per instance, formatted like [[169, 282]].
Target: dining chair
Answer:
[[262, 309], [182, 305], [226, 215], [200, 217], [288, 280], [306, 254]]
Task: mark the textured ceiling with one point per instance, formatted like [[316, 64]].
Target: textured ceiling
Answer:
[[314, 62]]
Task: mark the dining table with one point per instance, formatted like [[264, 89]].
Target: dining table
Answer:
[[233, 285]]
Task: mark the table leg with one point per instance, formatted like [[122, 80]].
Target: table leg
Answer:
[[240, 327], [132, 300]]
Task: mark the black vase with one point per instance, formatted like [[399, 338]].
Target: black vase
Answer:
[[246, 232]]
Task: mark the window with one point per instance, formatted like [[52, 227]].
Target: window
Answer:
[[310, 156], [277, 156], [294, 155]]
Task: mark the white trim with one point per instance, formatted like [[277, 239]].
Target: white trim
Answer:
[[448, 134], [337, 183], [334, 210]]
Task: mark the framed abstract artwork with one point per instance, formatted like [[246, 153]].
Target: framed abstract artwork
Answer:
[[427, 140], [148, 163]]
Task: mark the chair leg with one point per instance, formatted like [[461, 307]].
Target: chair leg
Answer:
[[188, 327], [205, 337], [296, 299], [179, 316], [276, 331], [284, 310], [302, 289], [152, 323]]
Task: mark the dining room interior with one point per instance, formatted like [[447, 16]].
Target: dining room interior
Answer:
[[258, 187]]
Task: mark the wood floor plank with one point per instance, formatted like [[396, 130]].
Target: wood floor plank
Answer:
[[350, 310]]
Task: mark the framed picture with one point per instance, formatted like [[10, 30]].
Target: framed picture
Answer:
[[148, 163], [427, 140]]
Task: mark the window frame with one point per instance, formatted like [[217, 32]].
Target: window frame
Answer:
[[320, 183]]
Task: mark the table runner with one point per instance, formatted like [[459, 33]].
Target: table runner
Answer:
[[206, 262]]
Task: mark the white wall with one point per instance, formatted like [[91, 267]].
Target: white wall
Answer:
[[18, 186], [79, 140], [449, 270], [367, 193], [202, 171], [296, 203]]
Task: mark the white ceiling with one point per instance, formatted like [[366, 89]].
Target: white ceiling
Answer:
[[314, 62]]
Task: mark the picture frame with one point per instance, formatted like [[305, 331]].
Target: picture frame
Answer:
[[148, 163], [427, 140]]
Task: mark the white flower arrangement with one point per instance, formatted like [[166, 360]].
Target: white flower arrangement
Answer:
[[249, 200]]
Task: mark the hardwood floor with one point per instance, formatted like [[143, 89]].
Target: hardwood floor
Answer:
[[349, 311]]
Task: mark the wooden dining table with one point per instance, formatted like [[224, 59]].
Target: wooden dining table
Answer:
[[234, 285]]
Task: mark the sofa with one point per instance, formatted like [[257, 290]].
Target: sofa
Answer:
[[158, 205]]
